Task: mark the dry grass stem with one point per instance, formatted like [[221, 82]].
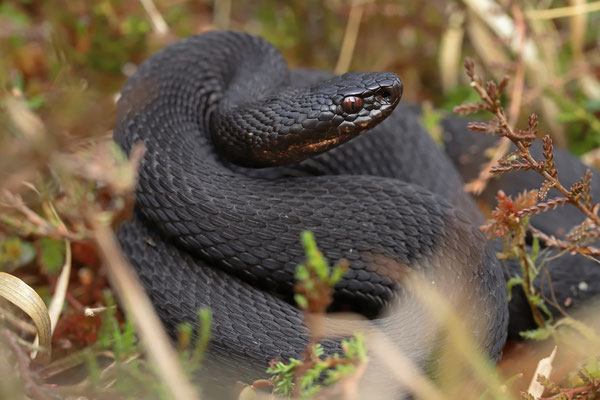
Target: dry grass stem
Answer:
[[504, 27], [450, 50], [478, 185], [58, 299], [222, 14], [153, 336], [350, 36], [158, 22], [563, 12], [402, 369], [17, 322]]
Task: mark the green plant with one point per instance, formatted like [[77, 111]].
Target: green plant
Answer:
[[305, 378], [192, 355]]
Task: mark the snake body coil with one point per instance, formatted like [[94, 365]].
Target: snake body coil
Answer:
[[208, 233]]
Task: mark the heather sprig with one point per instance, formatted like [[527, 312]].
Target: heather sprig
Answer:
[[314, 288], [510, 219]]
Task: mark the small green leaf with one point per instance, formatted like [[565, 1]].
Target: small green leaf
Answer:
[[535, 249], [36, 102], [539, 333], [129, 339], [93, 368], [302, 273], [512, 282], [52, 255], [541, 304], [336, 275], [184, 334], [318, 350], [301, 301], [204, 319]]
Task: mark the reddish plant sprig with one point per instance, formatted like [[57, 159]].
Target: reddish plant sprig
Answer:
[[578, 195], [512, 167], [588, 390], [541, 207], [510, 217]]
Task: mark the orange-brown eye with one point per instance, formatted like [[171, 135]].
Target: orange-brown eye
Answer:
[[352, 104]]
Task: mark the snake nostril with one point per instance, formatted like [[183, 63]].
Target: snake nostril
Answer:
[[386, 94]]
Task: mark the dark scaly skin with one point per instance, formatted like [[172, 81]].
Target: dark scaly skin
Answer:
[[296, 123], [205, 234]]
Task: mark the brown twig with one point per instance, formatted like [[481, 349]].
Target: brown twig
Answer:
[[571, 393], [350, 36], [552, 241], [17, 322], [554, 300], [522, 139]]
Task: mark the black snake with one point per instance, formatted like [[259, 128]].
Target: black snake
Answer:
[[209, 232]]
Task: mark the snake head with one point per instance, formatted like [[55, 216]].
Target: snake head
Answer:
[[295, 124], [363, 99]]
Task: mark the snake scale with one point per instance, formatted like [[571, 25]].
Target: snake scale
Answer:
[[209, 231]]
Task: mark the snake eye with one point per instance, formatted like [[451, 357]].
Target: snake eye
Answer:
[[352, 104]]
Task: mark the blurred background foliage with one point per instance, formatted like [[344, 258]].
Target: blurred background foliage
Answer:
[[63, 62], [52, 48]]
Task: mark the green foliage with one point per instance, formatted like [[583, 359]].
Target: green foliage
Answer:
[[314, 259], [122, 342], [136, 377], [284, 376], [315, 273], [313, 293], [586, 374], [511, 283], [14, 14], [584, 384], [355, 348], [584, 126], [15, 252], [431, 120], [321, 370], [192, 356], [539, 333], [52, 254]]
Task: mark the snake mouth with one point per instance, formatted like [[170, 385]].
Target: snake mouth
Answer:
[[319, 146], [297, 123]]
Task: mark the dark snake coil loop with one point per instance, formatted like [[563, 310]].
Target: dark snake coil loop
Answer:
[[210, 234]]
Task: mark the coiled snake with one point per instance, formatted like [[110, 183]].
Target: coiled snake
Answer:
[[210, 233]]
